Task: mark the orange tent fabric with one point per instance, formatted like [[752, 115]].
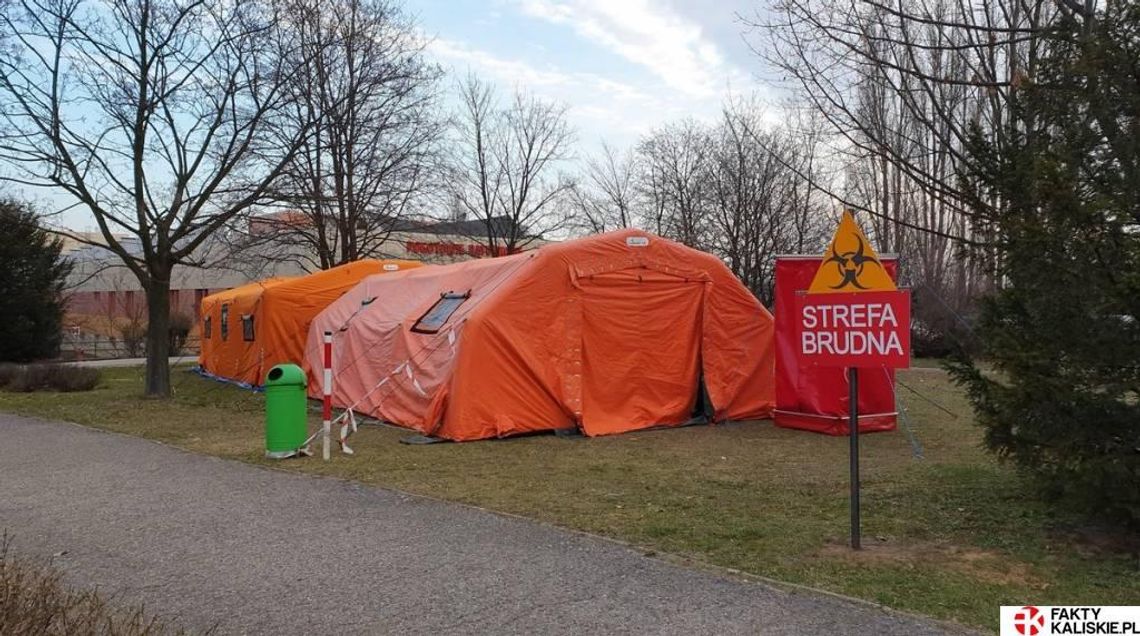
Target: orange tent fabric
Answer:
[[610, 333], [247, 330]]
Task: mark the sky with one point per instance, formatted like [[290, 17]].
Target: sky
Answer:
[[621, 67]]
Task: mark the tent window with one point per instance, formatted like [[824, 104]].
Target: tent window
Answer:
[[225, 327], [434, 319], [208, 327], [247, 328]]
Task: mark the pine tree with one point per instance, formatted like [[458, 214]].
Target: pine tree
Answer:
[[1060, 189], [31, 286]]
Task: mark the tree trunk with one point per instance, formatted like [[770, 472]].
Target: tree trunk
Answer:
[[158, 335]]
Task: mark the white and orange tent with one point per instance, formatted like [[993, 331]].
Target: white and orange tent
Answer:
[[247, 330], [612, 333]]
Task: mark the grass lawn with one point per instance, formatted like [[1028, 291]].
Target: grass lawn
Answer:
[[953, 535]]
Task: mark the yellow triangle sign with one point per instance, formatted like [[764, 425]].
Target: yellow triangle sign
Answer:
[[850, 264]]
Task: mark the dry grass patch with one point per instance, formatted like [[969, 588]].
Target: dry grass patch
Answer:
[[35, 602], [988, 567]]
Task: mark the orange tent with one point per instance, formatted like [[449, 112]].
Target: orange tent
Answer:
[[247, 330], [611, 333]]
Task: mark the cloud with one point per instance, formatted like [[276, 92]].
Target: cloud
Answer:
[[515, 72], [672, 48], [598, 105]]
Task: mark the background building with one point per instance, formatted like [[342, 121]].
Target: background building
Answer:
[[106, 307]]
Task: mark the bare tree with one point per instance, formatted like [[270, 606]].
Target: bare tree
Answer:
[[124, 316], [902, 86], [364, 77], [503, 166], [743, 181], [162, 118], [737, 188], [807, 162], [605, 198], [672, 162], [755, 206]]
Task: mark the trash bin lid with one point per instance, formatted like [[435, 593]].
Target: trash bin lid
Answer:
[[286, 375]]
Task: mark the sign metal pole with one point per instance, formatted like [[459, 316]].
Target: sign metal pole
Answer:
[[853, 315], [853, 424]]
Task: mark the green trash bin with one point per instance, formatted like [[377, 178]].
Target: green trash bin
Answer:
[[286, 411]]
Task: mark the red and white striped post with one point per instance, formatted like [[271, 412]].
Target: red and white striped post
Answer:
[[326, 416]]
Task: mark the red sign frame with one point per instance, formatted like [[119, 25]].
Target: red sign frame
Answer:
[[866, 329]]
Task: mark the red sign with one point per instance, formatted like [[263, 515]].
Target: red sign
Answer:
[[868, 329]]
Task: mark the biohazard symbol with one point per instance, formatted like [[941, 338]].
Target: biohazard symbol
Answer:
[[850, 263]]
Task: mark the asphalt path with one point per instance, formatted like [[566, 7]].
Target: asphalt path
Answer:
[[216, 543]]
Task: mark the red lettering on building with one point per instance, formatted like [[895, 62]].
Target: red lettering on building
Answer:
[[446, 248]]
